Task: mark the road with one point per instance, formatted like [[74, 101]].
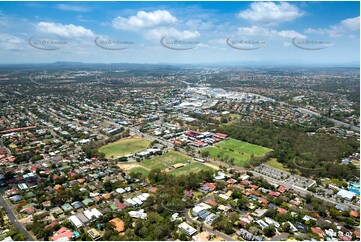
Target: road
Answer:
[[220, 163], [288, 186], [14, 221], [280, 237], [207, 228], [336, 122]]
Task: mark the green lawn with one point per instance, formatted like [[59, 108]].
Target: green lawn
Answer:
[[238, 150], [139, 170], [275, 164], [243, 147], [166, 160], [193, 167], [124, 147]]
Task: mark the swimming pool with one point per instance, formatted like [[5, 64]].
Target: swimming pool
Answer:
[[354, 188]]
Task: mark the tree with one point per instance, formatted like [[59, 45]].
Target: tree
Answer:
[[243, 203], [19, 237], [286, 227], [269, 231]]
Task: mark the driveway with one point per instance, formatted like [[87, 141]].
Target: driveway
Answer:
[[280, 237]]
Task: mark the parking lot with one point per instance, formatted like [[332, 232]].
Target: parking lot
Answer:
[[284, 176]]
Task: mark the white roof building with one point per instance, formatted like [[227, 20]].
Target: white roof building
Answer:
[[88, 214], [96, 213], [271, 221], [189, 230], [137, 200], [198, 208], [138, 214], [120, 190], [75, 221], [23, 186], [131, 201], [224, 196], [346, 194]]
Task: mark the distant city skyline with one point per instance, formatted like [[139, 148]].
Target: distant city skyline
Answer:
[[278, 33]]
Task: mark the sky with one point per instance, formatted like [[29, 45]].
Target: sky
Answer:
[[287, 33]]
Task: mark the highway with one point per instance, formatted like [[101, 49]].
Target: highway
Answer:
[[336, 122]]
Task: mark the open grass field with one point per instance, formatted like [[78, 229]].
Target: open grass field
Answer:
[[166, 160], [240, 151], [139, 170], [124, 147], [193, 167], [275, 164], [243, 147]]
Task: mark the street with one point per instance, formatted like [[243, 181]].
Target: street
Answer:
[[208, 229], [14, 221]]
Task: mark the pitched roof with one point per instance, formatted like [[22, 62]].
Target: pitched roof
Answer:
[[118, 224]]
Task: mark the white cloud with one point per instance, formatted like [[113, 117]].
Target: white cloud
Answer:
[[199, 24], [155, 25], [268, 32], [144, 20], [68, 31], [352, 24], [271, 13], [10, 42], [74, 8], [158, 33], [345, 27]]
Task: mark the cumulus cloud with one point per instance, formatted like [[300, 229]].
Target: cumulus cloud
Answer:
[[345, 27], [144, 20], [67, 31], [158, 33], [268, 32], [271, 13], [154, 25]]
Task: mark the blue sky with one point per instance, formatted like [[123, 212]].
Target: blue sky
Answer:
[[146, 32]]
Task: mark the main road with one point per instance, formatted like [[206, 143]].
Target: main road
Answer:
[[302, 191], [336, 122]]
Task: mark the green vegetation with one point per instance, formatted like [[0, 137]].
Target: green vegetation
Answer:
[[166, 160], [141, 170], [124, 147], [243, 147], [236, 152], [318, 155], [193, 167], [274, 163]]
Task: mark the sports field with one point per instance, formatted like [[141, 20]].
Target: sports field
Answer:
[[166, 160], [243, 147], [193, 167], [124, 147], [240, 151]]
